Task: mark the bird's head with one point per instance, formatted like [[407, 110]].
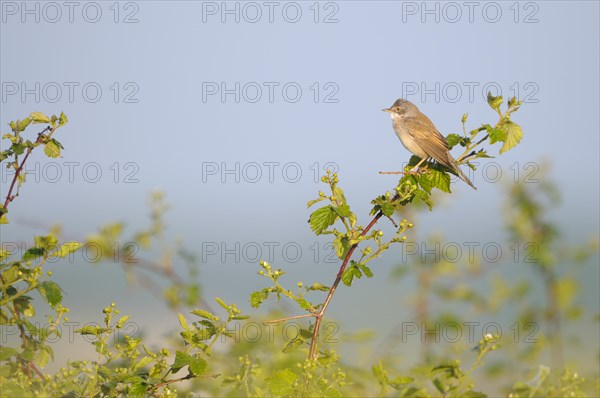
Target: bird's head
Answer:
[[402, 108]]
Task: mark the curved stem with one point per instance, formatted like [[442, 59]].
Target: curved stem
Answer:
[[319, 315]]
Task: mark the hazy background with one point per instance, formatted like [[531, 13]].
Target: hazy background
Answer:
[[141, 104]]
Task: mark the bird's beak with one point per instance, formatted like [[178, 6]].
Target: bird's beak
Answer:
[[387, 110]]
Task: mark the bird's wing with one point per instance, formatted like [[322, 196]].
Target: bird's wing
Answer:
[[429, 139]]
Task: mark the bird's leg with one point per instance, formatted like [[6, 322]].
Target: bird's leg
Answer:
[[416, 168], [414, 171]]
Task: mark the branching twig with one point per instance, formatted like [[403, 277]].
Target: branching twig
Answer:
[[9, 195], [319, 315]]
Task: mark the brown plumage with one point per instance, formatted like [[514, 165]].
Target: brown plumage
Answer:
[[419, 135]]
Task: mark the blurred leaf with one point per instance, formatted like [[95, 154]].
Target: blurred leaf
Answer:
[[281, 383]]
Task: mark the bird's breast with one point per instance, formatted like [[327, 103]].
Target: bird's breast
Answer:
[[408, 141]]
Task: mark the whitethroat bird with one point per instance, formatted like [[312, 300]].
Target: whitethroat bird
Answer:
[[418, 134]]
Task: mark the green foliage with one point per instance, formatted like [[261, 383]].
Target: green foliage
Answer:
[[211, 354]]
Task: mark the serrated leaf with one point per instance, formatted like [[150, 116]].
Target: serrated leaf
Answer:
[[282, 382], [424, 196], [181, 359], [51, 149], [39, 117], [51, 292], [137, 389], [343, 211], [366, 270], [496, 135], [440, 180], [453, 139], [257, 298], [348, 276], [303, 303], [514, 133], [22, 124], [321, 219], [198, 366]]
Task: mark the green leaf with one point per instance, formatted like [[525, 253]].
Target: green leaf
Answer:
[[11, 274], [494, 102], [206, 315], [312, 202], [198, 366], [6, 353], [321, 219], [183, 322], [496, 135], [282, 382], [181, 359], [33, 253], [439, 386], [222, 303], [318, 286], [440, 180], [67, 248], [424, 196], [257, 298], [366, 270], [92, 330], [514, 133], [63, 119], [137, 389], [51, 292], [303, 303], [122, 321], [39, 117], [453, 139], [48, 242], [22, 124], [343, 211], [400, 381], [51, 149], [473, 394]]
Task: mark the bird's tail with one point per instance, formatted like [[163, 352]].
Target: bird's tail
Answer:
[[462, 175]]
